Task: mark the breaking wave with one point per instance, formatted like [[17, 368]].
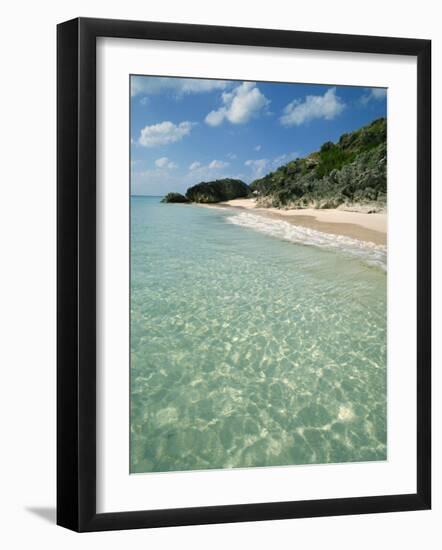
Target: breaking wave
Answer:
[[370, 253]]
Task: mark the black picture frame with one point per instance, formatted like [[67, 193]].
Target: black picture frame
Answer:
[[76, 274]]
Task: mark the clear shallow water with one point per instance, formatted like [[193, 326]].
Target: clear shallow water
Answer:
[[249, 348]]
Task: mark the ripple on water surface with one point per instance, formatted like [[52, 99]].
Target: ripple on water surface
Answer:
[[250, 350]]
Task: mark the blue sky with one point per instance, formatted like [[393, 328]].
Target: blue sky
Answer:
[[184, 131]]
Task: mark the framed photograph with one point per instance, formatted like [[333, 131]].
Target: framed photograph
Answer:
[[243, 274]]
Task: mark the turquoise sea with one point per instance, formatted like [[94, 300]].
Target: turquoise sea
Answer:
[[253, 342]]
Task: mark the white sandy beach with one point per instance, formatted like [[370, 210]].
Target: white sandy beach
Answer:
[[358, 225]]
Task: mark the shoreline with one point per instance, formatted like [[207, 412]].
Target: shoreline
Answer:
[[357, 225]]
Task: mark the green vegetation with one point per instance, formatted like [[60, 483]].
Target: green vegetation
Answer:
[[218, 190], [351, 171], [354, 170], [174, 197]]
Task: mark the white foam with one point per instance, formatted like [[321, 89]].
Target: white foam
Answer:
[[369, 252]]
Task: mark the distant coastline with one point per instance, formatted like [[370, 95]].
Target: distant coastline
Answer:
[[350, 175], [340, 189]]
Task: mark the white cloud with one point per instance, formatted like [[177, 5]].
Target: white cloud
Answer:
[[214, 118], [258, 167], [239, 106], [379, 93], [161, 162], [231, 156], [150, 85], [326, 106], [198, 171], [258, 148], [164, 133], [218, 164], [164, 162], [375, 94], [154, 182], [284, 158]]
